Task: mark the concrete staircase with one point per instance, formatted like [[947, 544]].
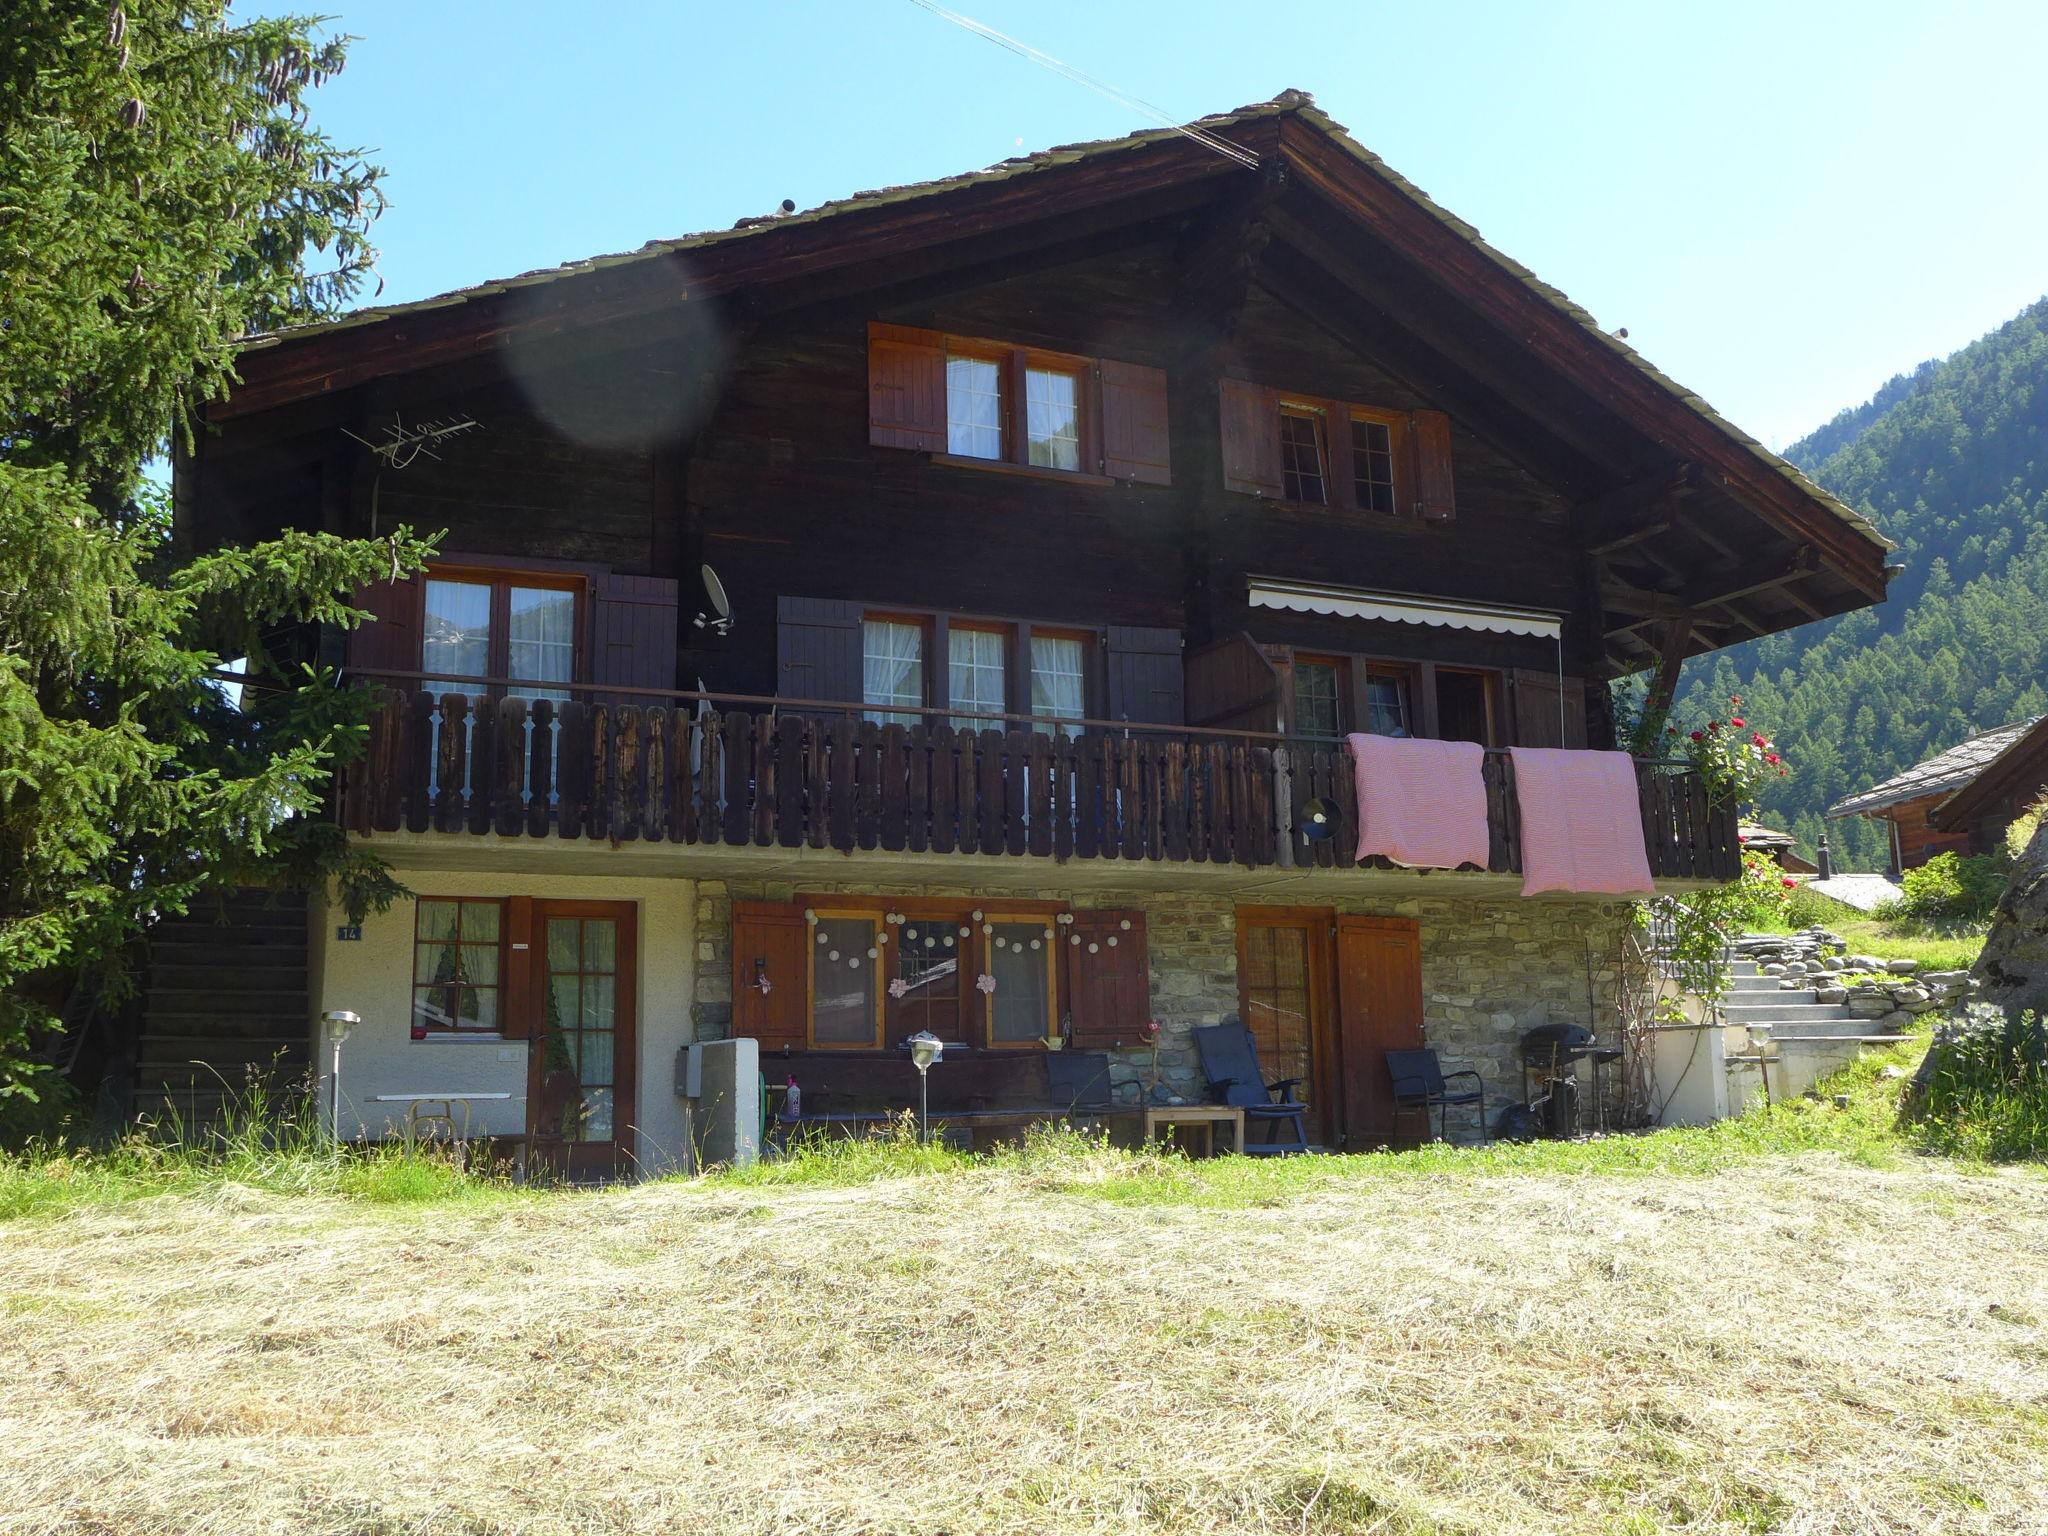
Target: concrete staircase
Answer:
[[227, 1005], [1791, 1033]]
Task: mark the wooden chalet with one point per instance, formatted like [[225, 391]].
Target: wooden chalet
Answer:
[[1960, 800], [1065, 516]]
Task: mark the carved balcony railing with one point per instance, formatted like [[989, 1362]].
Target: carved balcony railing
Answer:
[[704, 771]]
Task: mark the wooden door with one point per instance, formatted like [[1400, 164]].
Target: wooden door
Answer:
[[581, 1037], [1379, 1007], [1284, 998]]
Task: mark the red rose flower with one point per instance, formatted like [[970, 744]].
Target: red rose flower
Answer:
[[1789, 882], [1738, 722], [1699, 735]]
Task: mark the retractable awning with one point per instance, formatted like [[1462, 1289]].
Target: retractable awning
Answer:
[[1402, 608]]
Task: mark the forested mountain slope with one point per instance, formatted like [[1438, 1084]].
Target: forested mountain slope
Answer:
[[1951, 462]]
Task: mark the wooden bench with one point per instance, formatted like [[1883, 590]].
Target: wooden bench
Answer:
[[979, 1091]]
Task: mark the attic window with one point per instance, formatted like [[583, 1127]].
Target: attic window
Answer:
[[1372, 464], [972, 402], [1301, 454]]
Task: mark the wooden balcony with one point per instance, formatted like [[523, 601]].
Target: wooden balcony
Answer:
[[697, 770]]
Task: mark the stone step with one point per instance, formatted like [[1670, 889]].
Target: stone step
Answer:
[[1760, 1013]]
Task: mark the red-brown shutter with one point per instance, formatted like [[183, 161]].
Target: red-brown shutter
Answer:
[[1134, 436], [906, 388], [768, 940], [1430, 438], [1109, 986], [1251, 437], [633, 634], [389, 640]]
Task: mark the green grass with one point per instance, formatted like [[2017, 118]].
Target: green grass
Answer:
[[1937, 949], [259, 1143]]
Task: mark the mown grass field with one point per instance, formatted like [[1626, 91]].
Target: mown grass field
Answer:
[[1795, 1322]]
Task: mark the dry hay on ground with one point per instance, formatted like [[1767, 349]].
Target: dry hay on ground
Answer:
[[1798, 1347]]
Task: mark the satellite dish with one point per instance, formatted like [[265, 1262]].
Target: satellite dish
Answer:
[[720, 618], [1318, 820]]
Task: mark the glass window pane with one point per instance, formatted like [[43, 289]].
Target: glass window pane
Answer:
[[843, 981], [1021, 1006], [976, 668], [974, 407], [601, 945], [541, 639], [927, 962], [564, 943], [1058, 679], [1372, 465], [434, 962], [597, 1116], [1301, 456], [478, 1009], [1053, 426], [458, 632], [434, 1007], [480, 964], [479, 922], [892, 668], [597, 1002], [594, 1063], [565, 1003], [1387, 704], [437, 919], [1317, 710]]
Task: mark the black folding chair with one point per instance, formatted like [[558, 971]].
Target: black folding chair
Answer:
[[1420, 1082], [1230, 1061]]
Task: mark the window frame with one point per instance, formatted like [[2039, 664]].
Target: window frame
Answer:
[[501, 579], [1017, 634], [1340, 666], [1418, 680], [1316, 414], [501, 987], [975, 951], [1396, 424], [1013, 363]]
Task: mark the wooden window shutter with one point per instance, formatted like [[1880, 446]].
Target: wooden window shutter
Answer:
[[906, 388], [769, 939], [521, 962], [389, 639], [1134, 434], [1251, 437], [1109, 991], [1535, 707], [818, 649], [1147, 681], [633, 634], [1429, 438]]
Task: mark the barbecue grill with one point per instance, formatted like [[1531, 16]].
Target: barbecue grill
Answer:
[[1550, 1057]]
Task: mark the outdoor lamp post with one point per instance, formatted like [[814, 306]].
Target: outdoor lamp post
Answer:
[[339, 1022], [925, 1048]]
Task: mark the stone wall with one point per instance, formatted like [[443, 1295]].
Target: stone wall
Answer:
[[1490, 969]]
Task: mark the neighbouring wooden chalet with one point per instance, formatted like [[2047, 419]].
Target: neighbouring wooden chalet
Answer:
[[1958, 801], [1068, 515]]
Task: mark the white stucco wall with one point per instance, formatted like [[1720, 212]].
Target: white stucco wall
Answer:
[[373, 977]]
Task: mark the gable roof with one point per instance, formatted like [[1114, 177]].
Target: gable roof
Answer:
[[1295, 105], [1944, 772], [2020, 770]]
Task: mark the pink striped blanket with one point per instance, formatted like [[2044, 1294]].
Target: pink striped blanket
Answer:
[[1582, 823], [1420, 803]]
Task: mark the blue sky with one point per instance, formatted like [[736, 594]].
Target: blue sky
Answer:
[[1784, 203]]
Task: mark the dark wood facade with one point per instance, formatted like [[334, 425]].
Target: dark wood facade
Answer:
[[714, 405]]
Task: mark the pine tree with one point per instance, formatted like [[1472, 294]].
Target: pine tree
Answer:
[[161, 191]]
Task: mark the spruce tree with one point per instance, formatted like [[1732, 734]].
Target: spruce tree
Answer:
[[163, 193]]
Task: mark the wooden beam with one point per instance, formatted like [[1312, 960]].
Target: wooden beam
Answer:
[[1672, 649]]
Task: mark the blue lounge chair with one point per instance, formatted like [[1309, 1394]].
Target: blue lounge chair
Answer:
[[1230, 1062]]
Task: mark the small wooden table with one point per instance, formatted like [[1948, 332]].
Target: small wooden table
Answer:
[[1209, 1116]]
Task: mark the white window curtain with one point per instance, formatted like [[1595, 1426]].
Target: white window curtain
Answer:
[[976, 666], [892, 669], [458, 632], [542, 638], [1058, 681], [974, 408]]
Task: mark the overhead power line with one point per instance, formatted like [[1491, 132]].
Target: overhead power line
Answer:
[[1210, 141]]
